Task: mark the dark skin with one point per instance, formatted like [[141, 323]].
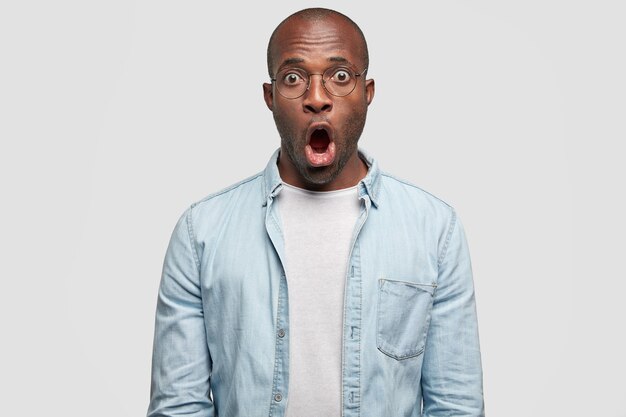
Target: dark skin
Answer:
[[318, 45]]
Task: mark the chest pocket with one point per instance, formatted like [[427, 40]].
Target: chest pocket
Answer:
[[403, 317]]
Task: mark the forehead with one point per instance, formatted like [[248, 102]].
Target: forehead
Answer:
[[315, 42]]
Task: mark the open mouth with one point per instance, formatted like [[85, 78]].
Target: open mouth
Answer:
[[320, 148], [319, 140]]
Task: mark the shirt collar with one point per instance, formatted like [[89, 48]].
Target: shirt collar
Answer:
[[369, 185]]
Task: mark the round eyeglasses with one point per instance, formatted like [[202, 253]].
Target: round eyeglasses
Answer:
[[294, 82]]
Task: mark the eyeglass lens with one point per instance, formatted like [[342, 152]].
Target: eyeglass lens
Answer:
[[293, 82]]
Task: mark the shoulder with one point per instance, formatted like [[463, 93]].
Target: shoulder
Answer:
[[247, 192], [246, 185], [399, 190]]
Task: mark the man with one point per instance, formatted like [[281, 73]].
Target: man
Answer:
[[320, 286]]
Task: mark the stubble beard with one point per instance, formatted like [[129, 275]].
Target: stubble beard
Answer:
[[346, 141]]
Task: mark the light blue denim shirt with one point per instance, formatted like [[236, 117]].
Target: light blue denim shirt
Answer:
[[410, 333]]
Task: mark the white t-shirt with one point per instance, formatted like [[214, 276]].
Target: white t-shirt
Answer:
[[318, 228]]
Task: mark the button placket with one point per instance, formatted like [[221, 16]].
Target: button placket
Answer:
[[281, 365]]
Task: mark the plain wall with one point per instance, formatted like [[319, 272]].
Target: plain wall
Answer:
[[116, 115]]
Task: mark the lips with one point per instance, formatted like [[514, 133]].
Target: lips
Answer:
[[320, 149]]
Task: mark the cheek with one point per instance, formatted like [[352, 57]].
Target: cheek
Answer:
[[288, 123], [353, 115], [286, 114]]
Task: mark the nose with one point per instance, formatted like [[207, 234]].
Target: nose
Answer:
[[316, 98]]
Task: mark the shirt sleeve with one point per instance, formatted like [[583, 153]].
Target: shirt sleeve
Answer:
[[181, 364], [452, 370]]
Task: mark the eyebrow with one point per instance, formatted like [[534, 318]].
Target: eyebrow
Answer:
[[339, 59], [290, 61]]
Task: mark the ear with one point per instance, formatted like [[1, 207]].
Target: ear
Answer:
[[369, 90], [268, 96]]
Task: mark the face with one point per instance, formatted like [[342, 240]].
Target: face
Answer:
[[319, 131]]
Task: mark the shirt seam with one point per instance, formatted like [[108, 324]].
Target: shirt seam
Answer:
[[451, 228], [192, 239]]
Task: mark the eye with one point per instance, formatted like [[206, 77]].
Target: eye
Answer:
[[341, 76], [292, 79]]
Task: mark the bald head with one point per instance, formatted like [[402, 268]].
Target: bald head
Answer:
[[315, 15]]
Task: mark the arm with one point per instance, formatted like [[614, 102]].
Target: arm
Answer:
[[181, 365], [452, 370]]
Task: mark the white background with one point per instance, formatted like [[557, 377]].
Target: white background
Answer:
[[116, 115]]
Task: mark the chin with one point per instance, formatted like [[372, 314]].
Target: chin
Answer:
[[321, 175]]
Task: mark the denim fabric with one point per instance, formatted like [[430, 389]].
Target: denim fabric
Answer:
[[410, 333]]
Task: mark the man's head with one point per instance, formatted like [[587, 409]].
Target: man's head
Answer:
[[320, 125]]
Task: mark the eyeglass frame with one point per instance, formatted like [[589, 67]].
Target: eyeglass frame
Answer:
[[308, 74]]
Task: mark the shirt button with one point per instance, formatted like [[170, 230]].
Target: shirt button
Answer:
[[281, 333], [278, 397]]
